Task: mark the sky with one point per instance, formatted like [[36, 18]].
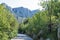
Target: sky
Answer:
[[30, 4]]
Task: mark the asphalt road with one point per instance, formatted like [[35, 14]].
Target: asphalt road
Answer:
[[22, 37]]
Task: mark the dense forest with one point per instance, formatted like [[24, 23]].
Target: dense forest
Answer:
[[44, 24]]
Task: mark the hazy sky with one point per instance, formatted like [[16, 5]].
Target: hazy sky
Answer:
[[30, 4]]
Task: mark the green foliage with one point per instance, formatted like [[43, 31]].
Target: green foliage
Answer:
[[38, 22], [23, 26], [54, 20], [46, 21], [8, 24]]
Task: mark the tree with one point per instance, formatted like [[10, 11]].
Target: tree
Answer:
[[53, 8], [38, 24], [8, 24], [44, 23]]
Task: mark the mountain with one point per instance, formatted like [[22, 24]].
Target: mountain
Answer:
[[24, 12], [20, 13]]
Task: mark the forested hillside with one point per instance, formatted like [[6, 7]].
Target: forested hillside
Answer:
[[8, 24]]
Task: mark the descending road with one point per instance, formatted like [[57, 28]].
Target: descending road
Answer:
[[22, 37]]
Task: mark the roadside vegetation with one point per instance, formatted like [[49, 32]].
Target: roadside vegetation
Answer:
[[8, 24], [44, 24]]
